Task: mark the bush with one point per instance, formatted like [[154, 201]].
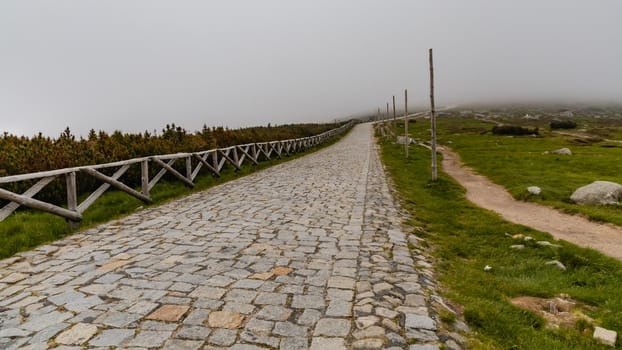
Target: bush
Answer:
[[563, 124], [513, 130]]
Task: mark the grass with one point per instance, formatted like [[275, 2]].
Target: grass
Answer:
[[26, 229], [467, 238], [518, 162]]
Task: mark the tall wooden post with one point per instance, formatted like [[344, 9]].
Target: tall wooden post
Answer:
[[407, 138], [378, 115], [394, 120], [433, 119]]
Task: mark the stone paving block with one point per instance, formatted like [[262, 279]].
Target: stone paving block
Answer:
[[270, 299], [308, 302], [149, 339], [112, 337], [193, 332], [223, 337], [420, 322], [168, 313], [178, 344], [45, 320], [319, 343], [208, 292], [274, 313], [225, 319], [332, 327], [77, 334]]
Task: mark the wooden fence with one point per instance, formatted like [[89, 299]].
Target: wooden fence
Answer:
[[214, 160]]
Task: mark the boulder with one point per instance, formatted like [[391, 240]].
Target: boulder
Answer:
[[598, 193], [563, 151], [605, 336], [535, 190]]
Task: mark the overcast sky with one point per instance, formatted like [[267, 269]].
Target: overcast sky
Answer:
[[138, 65]]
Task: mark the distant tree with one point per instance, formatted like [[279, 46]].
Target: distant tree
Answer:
[[563, 124], [513, 130]]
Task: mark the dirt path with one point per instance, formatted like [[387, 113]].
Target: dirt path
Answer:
[[606, 238]]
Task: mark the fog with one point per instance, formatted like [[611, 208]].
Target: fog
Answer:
[[138, 65]]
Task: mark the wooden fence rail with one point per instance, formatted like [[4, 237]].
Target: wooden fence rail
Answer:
[[214, 160]]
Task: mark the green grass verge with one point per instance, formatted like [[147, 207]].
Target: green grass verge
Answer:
[[467, 238], [518, 162], [27, 229]]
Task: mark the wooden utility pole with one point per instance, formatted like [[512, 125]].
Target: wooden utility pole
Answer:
[[386, 116], [433, 119], [407, 140], [394, 120], [378, 115]]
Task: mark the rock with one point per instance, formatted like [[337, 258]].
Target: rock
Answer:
[[535, 190], [605, 336], [547, 244], [517, 246], [557, 264], [598, 193], [563, 151], [487, 268]]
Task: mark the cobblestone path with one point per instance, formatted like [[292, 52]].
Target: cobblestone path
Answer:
[[306, 254]]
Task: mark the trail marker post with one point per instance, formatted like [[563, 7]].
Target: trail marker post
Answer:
[[433, 119]]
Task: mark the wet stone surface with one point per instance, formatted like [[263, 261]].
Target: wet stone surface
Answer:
[[307, 254]]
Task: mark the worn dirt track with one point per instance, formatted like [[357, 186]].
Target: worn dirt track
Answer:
[[606, 238]]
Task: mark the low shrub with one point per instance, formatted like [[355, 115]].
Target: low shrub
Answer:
[[563, 124], [513, 130]]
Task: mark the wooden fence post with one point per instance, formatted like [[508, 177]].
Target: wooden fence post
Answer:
[[144, 177], [72, 197], [433, 119]]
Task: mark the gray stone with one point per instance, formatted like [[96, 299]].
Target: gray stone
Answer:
[[338, 308], [223, 337], [77, 334], [178, 344], [364, 344], [43, 321], [332, 327], [288, 329], [274, 313], [112, 337], [563, 151], [420, 322], [193, 332], [319, 343], [423, 347], [294, 344], [270, 299], [309, 317], [535, 190], [149, 339], [598, 193], [308, 302], [605, 336]]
